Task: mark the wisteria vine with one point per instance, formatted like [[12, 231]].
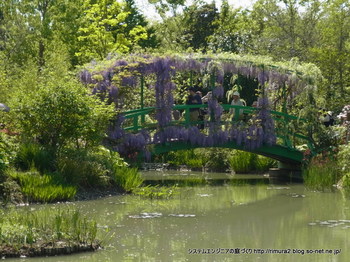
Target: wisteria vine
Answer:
[[126, 72]]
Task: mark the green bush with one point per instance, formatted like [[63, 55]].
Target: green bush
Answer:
[[61, 114], [214, 158], [188, 157], [43, 188], [345, 181], [3, 158], [89, 168], [83, 172], [263, 163], [7, 153]]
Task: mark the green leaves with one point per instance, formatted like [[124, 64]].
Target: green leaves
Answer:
[[103, 31], [62, 114]]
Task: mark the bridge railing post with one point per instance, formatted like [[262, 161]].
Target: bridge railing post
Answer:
[[187, 117], [135, 123]]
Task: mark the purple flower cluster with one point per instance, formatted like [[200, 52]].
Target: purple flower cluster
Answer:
[[267, 123]]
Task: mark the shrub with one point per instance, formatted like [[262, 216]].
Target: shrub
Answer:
[[82, 172], [264, 163], [244, 162], [214, 158], [7, 152], [89, 168], [60, 114], [188, 157], [345, 181]]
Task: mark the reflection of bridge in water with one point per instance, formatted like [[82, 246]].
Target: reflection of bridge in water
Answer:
[[233, 133]]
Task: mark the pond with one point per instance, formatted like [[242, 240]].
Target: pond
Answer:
[[260, 222]]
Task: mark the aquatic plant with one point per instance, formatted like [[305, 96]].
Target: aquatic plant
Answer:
[[156, 192]]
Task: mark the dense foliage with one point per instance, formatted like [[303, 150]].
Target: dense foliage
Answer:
[[57, 126]]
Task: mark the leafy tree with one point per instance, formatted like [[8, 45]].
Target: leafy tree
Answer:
[[134, 19], [200, 25], [233, 30], [332, 54], [103, 30]]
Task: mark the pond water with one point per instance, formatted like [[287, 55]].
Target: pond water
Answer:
[[266, 222]]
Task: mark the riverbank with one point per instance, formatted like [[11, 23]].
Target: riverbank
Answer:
[[47, 249]]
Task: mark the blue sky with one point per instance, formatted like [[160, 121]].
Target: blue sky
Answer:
[[150, 12]]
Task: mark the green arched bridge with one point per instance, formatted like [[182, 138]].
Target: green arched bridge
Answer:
[[290, 131]]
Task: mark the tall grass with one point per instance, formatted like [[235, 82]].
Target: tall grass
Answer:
[[321, 174], [127, 178], [43, 188]]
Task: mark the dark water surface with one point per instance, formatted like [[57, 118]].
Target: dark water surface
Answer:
[[219, 223]]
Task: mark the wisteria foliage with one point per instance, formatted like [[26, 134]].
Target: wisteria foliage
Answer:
[[251, 136]]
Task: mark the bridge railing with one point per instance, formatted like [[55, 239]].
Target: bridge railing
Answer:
[[289, 129]]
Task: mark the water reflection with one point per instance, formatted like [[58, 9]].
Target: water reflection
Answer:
[[261, 218]]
